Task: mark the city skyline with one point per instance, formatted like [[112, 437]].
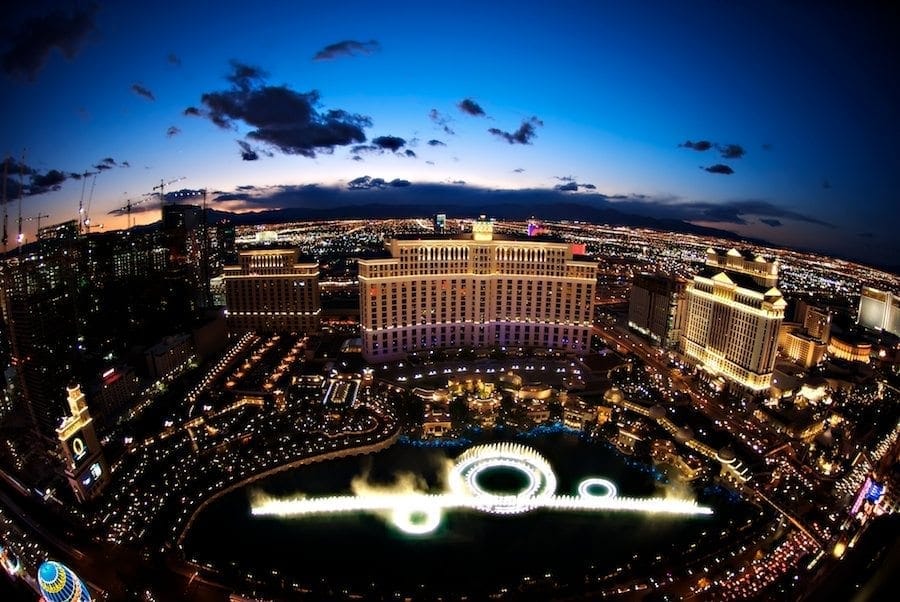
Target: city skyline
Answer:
[[774, 122]]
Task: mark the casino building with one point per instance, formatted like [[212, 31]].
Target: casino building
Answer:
[[734, 313], [475, 290], [272, 290]]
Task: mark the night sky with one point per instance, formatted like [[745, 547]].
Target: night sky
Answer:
[[777, 120]]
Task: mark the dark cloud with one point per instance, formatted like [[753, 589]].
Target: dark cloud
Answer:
[[289, 121], [767, 146], [733, 212], [173, 59], [719, 168], [244, 76], [430, 162], [24, 180], [247, 152], [519, 170], [565, 178], [142, 91], [347, 48], [700, 145], [172, 131], [470, 107], [441, 120], [434, 142], [33, 41], [770, 221], [124, 164], [48, 181], [523, 135], [398, 183], [101, 166], [193, 112], [588, 186], [826, 184], [108, 161], [391, 143], [410, 153], [566, 187], [731, 151], [74, 176]]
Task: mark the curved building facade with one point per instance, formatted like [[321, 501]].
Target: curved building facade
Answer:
[[58, 583], [478, 290]]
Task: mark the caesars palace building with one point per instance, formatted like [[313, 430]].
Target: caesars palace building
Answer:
[[476, 290]]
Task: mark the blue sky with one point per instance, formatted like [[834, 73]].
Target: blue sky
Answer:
[[611, 91]]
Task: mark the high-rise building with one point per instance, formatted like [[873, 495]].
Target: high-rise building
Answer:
[[656, 307], [84, 464], [733, 317], [476, 290], [879, 310], [40, 308], [270, 290]]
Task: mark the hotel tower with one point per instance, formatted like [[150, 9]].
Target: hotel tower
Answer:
[[475, 290], [734, 312]]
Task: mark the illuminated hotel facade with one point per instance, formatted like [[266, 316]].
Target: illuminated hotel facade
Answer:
[[476, 290], [270, 290], [734, 313]]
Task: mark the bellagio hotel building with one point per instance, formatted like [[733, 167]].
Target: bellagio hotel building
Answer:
[[477, 290]]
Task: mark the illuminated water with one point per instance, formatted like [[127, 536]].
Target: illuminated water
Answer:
[[470, 551]]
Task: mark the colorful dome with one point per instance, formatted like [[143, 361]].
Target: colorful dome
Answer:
[[59, 584]]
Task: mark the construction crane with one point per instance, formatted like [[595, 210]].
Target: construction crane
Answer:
[[36, 218], [21, 237], [126, 210], [162, 188], [5, 214]]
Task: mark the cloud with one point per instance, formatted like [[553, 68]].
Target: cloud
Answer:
[[172, 131], [429, 162], [826, 184], [434, 142], [24, 180], [398, 183], [470, 107], [192, 112], [142, 91], [442, 121], [523, 135], [34, 40], [347, 48], [290, 121], [124, 164], [733, 212], [700, 145], [767, 146], [719, 168], [391, 143], [173, 59], [770, 221], [519, 170], [247, 152], [731, 151], [410, 153], [569, 184]]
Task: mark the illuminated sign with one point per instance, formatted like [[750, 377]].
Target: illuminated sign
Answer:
[[78, 448], [874, 492]]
